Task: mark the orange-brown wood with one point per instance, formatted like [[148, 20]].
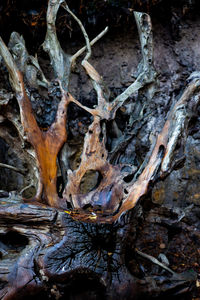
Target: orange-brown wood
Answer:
[[46, 144]]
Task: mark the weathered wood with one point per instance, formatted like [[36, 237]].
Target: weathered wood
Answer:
[[49, 252]]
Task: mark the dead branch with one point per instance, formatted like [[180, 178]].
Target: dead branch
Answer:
[[179, 117], [166, 140], [27, 64], [146, 71], [11, 66], [87, 41], [79, 52], [94, 156], [155, 261], [160, 160], [59, 59], [62, 62], [161, 156], [103, 109], [175, 276], [46, 144]]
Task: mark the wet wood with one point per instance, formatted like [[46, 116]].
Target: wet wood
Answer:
[[45, 252]]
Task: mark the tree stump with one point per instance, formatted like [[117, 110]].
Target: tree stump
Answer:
[[105, 241]]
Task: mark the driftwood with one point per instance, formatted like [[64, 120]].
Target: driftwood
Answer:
[[53, 244]]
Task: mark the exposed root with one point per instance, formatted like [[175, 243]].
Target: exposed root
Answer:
[[112, 197]]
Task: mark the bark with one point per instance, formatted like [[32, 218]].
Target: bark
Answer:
[[49, 254]]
